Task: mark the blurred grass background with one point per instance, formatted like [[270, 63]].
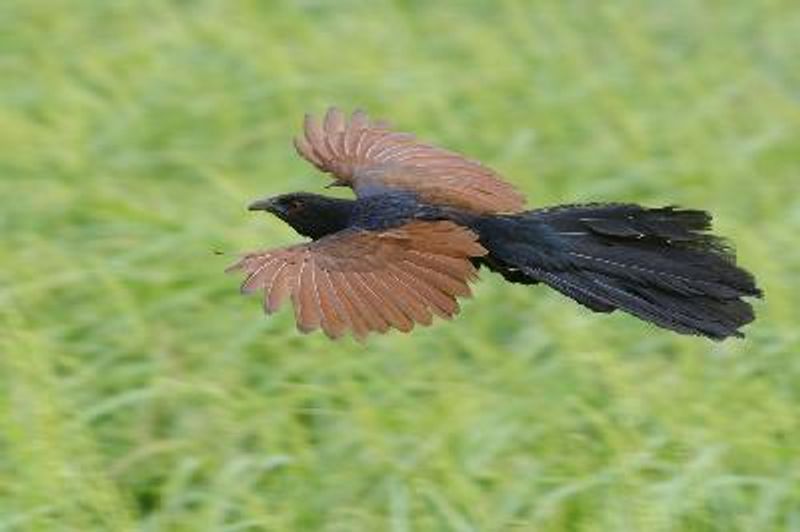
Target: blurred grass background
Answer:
[[140, 391]]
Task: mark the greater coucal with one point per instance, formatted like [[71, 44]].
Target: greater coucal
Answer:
[[425, 218]]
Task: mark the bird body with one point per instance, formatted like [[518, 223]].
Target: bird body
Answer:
[[425, 219]]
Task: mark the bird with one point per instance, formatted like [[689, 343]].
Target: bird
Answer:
[[426, 219]]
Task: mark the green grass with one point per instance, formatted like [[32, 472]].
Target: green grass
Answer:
[[139, 390]]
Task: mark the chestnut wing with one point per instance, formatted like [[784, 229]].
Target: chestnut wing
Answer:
[[367, 155], [368, 281]]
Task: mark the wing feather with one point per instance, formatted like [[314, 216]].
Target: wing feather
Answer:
[[305, 149], [278, 288], [316, 138], [305, 299], [441, 304], [361, 281], [364, 300], [334, 130], [381, 304], [330, 321], [337, 314], [258, 277], [407, 300], [363, 153], [391, 307], [442, 282], [359, 324]]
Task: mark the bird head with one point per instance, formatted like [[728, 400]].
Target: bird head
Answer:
[[311, 215]]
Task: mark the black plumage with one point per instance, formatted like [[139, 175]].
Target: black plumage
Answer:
[[425, 218], [660, 265]]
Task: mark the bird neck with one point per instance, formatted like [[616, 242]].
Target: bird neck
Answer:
[[329, 217]]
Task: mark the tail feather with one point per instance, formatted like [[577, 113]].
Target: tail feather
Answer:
[[659, 265], [693, 315]]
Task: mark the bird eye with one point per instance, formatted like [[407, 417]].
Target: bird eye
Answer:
[[294, 204]]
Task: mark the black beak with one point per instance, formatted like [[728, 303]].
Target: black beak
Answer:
[[265, 204]]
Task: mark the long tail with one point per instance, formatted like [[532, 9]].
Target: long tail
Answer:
[[659, 265]]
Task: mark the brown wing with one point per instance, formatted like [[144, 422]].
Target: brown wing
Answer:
[[361, 153], [364, 281]]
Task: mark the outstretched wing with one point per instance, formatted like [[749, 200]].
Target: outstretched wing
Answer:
[[366, 155], [364, 281]]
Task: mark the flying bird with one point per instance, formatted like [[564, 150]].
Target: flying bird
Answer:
[[425, 219]]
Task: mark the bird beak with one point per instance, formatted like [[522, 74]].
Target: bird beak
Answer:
[[264, 204]]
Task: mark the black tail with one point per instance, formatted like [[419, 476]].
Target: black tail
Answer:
[[658, 264]]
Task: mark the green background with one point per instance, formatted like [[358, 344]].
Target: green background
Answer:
[[139, 390]]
